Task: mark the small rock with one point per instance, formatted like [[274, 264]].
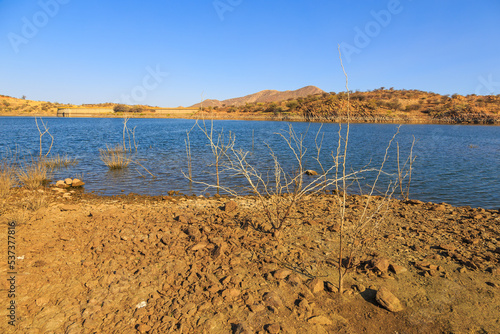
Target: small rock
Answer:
[[230, 206], [141, 304], [272, 299], [311, 172], [193, 232], [282, 273], [68, 181], [143, 328], [257, 308], [331, 288], [243, 329], [232, 293], [61, 184], [360, 287], [424, 265], [447, 247], [199, 246], [381, 264], [320, 320], [397, 269], [316, 285], [387, 300], [182, 219], [41, 301], [334, 228], [438, 208], [294, 279], [273, 328], [77, 183]]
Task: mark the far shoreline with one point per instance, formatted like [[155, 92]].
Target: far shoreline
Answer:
[[264, 117]]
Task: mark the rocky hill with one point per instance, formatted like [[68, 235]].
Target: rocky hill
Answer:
[[379, 105], [262, 97]]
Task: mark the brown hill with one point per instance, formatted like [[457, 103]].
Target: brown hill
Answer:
[[262, 97]]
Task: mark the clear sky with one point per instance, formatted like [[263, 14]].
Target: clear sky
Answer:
[[167, 53]]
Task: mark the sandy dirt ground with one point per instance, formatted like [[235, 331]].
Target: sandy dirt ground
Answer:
[[177, 264]]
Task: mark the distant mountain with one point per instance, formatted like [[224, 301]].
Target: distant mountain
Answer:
[[263, 96]]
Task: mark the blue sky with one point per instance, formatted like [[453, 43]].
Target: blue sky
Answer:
[[168, 53]]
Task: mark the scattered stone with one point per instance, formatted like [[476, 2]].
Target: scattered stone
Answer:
[[282, 273], [257, 308], [447, 247], [320, 320], [77, 183], [193, 232], [397, 269], [423, 265], [386, 299], [182, 219], [41, 301], [438, 208], [230, 206], [273, 328], [311, 172], [143, 328], [232, 293], [316, 285], [272, 299], [294, 279], [360, 287], [243, 329], [330, 287], [68, 181], [61, 184], [141, 304], [199, 246], [380, 264]]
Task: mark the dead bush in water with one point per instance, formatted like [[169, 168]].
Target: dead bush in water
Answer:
[[114, 157], [120, 156]]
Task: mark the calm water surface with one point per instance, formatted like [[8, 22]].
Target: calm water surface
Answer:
[[456, 164]]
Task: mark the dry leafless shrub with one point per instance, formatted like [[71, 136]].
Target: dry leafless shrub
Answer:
[[355, 234]]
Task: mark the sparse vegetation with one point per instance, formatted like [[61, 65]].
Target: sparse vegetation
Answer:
[[32, 173], [115, 157], [7, 178], [58, 161]]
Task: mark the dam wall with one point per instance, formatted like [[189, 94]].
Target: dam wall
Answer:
[[83, 112], [103, 112]]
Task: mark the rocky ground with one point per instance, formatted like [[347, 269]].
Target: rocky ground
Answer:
[[176, 264]]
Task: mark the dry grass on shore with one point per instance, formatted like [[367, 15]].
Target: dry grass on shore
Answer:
[[7, 178], [32, 174]]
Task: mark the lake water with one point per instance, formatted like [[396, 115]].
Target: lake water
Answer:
[[456, 164]]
